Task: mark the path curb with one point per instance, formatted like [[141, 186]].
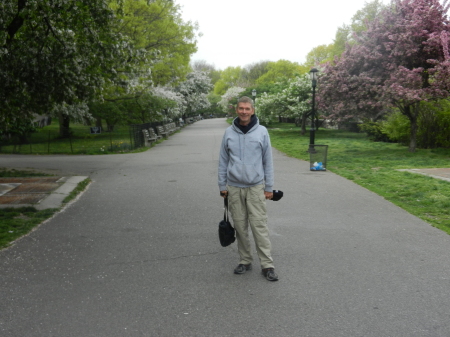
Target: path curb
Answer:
[[437, 173]]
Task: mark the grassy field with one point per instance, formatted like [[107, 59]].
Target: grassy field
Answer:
[[374, 166], [47, 141]]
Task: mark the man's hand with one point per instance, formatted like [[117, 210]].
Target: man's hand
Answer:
[[268, 195], [224, 194]]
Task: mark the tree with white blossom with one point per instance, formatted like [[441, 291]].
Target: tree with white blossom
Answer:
[[293, 100], [230, 96], [175, 101], [195, 91]]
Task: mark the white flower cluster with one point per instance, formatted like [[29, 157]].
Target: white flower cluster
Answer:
[[195, 90], [169, 94], [231, 93], [292, 101], [79, 111]]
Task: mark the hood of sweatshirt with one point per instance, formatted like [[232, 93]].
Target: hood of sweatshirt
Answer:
[[248, 127]]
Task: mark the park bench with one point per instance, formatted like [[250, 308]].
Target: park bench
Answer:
[[148, 138], [174, 126], [171, 127], [153, 134], [162, 132], [168, 129]]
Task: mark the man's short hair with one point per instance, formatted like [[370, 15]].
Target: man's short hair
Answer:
[[245, 99]]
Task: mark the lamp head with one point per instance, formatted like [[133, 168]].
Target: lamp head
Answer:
[[313, 74]]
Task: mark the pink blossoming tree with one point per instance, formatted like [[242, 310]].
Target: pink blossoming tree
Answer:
[[401, 60]]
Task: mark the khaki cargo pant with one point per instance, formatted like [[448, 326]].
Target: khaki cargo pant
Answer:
[[248, 206]]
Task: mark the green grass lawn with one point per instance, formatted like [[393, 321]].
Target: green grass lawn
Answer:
[[16, 222], [374, 165], [47, 141]]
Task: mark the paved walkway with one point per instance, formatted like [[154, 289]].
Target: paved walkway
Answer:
[[138, 255]]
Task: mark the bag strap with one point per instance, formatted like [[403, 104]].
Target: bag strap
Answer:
[[225, 211]]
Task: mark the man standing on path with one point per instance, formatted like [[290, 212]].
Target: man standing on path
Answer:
[[246, 178]]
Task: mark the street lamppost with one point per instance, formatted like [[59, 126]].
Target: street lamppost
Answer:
[[313, 75]]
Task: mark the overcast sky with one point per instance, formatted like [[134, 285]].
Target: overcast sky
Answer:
[[241, 32]]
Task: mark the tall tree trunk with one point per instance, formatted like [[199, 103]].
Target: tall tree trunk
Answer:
[[304, 118], [412, 112], [110, 125], [98, 122], [413, 139], [64, 123]]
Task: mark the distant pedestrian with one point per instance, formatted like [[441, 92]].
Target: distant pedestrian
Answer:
[[246, 178]]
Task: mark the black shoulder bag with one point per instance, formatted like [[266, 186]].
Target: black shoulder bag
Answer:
[[226, 231]]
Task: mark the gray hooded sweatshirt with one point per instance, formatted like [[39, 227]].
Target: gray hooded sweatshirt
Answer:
[[245, 160]]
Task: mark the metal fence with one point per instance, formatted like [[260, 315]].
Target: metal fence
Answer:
[[78, 139]]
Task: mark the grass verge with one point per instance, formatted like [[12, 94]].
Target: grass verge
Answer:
[[374, 166], [17, 222], [77, 190], [12, 173]]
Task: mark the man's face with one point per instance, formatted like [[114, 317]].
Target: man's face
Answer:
[[245, 112]]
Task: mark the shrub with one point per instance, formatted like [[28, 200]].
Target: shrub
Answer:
[[374, 131], [433, 125], [396, 127]]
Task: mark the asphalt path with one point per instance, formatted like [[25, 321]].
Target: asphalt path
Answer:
[[138, 255]]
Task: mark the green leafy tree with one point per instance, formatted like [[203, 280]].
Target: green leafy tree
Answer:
[[160, 45], [230, 77], [341, 39], [433, 125], [279, 70], [158, 26], [112, 112], [214, 100], [253, 71], [319, 55], [363, 17], [359, 23]]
